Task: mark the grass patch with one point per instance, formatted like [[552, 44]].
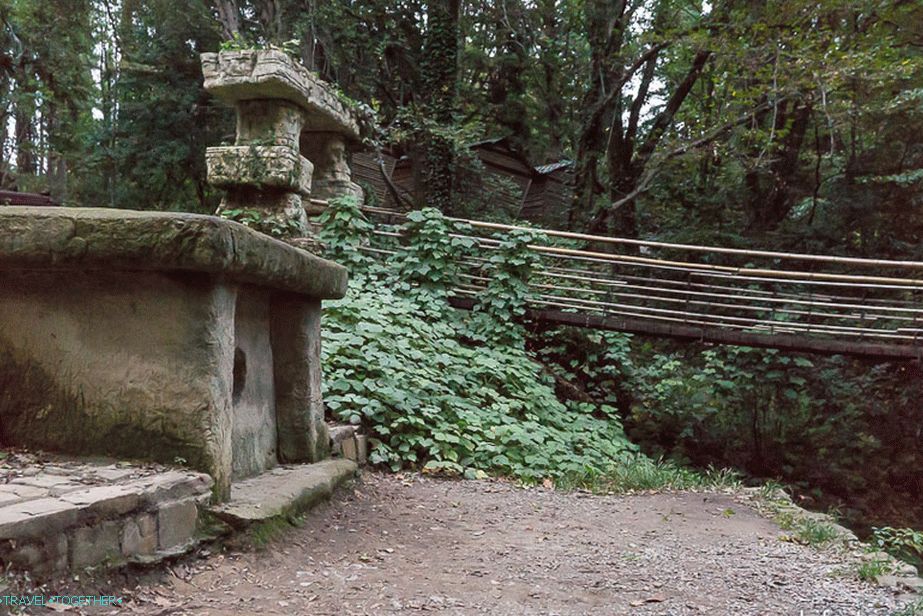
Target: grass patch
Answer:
[[801, 526], [805, 530], [770, 490], [869, 570], [640, 473], [812, 532]]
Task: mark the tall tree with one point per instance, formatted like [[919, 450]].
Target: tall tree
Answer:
[[148, 151], [433, 150], [614, 147]]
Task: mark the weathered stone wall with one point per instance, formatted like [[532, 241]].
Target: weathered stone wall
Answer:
[[296, 340], [68, 515], [131, 364]]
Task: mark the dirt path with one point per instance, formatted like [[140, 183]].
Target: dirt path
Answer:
[[413, 545]]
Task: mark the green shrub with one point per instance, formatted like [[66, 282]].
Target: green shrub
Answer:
[[446, 390], [870, 570], [903, 543], [811, 532], [400, 365]]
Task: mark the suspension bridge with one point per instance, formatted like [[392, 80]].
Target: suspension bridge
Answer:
[[797, 302]]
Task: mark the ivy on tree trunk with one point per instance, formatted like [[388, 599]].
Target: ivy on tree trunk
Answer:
[[433, 150]]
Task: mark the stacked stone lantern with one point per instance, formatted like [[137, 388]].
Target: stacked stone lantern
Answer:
[[293, 135]]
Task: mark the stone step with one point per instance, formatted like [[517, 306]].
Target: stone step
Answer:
[[356, 449], [72, 514], [346, 441], [284, 490]]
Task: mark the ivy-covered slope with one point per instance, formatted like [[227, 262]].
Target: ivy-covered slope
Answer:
[[432, 397], [454, 391]]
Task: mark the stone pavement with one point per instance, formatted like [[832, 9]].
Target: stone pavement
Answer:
[[61, 514]]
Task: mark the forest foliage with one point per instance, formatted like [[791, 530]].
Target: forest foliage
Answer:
[[513, 397], [458, 392], [786, 123]]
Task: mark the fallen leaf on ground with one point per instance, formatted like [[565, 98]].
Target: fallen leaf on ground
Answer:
[[652, 599]]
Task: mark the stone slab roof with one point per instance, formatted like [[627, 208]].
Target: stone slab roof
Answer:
[[271, 74], [58, 238]]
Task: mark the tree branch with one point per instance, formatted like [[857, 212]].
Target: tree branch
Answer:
[[634, 113], [665, 117], [654, 170]]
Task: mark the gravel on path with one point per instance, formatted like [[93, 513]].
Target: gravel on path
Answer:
[[407, 544]]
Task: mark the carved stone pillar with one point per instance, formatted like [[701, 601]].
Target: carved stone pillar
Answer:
[[332, 176], [291, 127]]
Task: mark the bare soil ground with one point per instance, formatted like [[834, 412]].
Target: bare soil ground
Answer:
[[413, 545]]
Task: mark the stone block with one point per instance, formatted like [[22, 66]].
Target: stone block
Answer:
[[15, 523], [254, 435], [139, 535], [42, 481], [176, 524], [269, 122], [296, 340], [103, 384], [8, 498], [259, 166], [92, 545], [332, 188], [108, 240], [42, 557], [338, 434], [283, 491], [356, 449], [104, 501], [172, 486], [281, 213], [57, 553], [66, 488], [332, 176], [36, 518], [112, 473], [270, 74], [21, 492]]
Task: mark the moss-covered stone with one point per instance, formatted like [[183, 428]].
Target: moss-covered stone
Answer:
[[259, 167], [52, 238], [270, 74]]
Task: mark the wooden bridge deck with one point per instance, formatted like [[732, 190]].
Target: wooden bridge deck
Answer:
[[797, 302], [715, 335]]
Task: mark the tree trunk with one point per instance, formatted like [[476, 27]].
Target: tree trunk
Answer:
[[507, 90], [771, 196], [24, 133], [229, 18], [605, 24], [433, 151], [270, 15], [551, 91]]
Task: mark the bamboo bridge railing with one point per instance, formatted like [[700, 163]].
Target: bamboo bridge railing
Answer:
[[799, 302]]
